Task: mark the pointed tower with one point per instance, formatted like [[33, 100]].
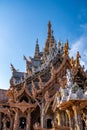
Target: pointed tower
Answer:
[[49, 30], [36, 54], [50, 39]]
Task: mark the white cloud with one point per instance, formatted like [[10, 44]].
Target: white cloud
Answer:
[[84, 26]]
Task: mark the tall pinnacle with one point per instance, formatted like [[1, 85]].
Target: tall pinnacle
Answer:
[[36, 55], [50, 39], [49, 30]]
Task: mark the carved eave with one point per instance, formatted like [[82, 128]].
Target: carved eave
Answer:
[[24, 90], [65, 105], [23, 106]]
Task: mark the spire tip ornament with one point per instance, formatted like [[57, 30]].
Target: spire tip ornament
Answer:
[[77, 59], [66, 49]]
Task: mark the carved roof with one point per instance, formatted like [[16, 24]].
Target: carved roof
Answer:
[[47, 69]]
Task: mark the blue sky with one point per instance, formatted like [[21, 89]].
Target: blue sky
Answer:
[[23, 21]]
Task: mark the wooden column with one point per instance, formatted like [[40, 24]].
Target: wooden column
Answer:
[[11, 123], [78, 122], [16, 120], [28, 121], [59, 117], [70, 119], [42, 115]]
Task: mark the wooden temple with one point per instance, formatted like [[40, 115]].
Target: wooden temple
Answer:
[[50, 95]]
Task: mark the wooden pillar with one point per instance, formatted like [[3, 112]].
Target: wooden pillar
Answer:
[[42, 115], [78, 122], [11, 123], [16, 120], [28, 121], [59, 118], [70, 119]]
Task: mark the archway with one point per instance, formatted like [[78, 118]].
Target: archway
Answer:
[[22, 123], [5, 121], [8, 124], [49, 125]]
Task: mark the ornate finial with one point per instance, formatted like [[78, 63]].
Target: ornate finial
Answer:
[[49, 30], [13, 68], [27, 66], [77, 59], [25, 58], [72, 62], [50, 42], [66, 49], [36, 54], [59, 43], [37, 41]]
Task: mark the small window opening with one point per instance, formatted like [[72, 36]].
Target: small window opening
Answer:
[[24, 98], [49, 125]]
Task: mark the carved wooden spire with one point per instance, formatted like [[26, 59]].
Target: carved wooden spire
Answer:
[[59, 44], [36, 55], [50, 42], [49, 30], [66, 49], [13, 68], [77, 59], [72, 62], [28, 63]]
